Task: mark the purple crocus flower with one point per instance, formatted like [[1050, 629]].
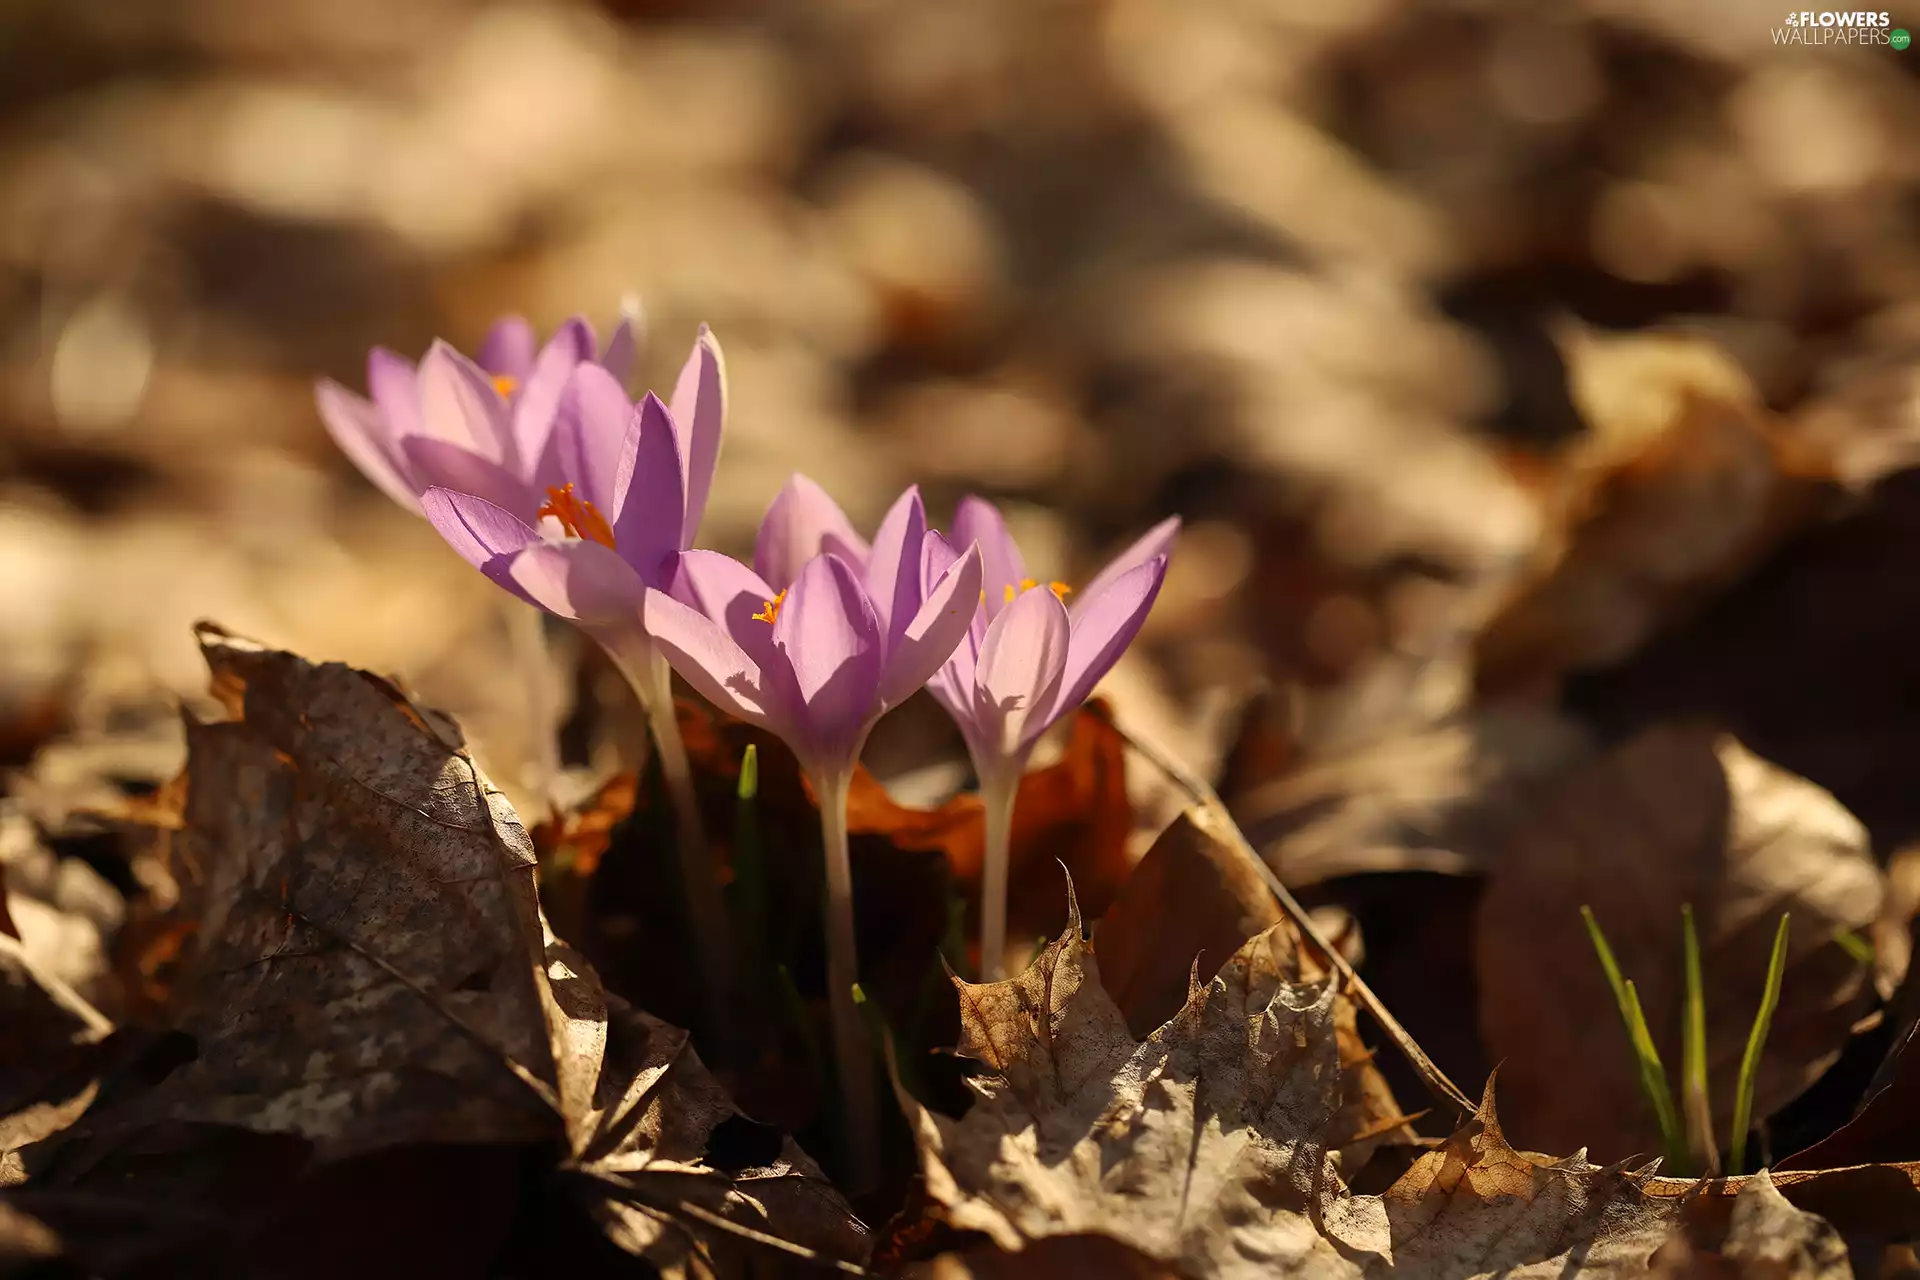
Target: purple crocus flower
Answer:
[[480, 426], [817, 661], [1029, 659], [566, 493]]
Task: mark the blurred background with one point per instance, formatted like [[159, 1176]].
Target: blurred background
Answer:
[[1303, 273], [1527, 375]]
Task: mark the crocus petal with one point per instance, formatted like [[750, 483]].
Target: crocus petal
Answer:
[[1021, 667], [507, 350], [440, 464], [1156, 541], [977, 520], [935, 631], [729, 593], [938, 556], [700, 411], [707, 658], [802, 523], [895, 564], [649, 487], [358, 428], [580, 580], [545, 381], [830, 638], [458, 404], [622, 346], [1104, 626], [394, 385], [588, 438], [484, 534]]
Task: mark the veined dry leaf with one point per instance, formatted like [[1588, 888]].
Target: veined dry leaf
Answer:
[[1046, 1259], [1677, 815], [371, 969], [1424, 799], [1192, 903], [1203, 1147], [1683, 482], [1766, 1237]]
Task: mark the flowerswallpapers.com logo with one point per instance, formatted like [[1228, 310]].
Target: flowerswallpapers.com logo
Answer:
[[1827, 27]]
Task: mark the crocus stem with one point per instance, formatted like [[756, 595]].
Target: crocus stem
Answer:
[[997, 794], [853, 1054], [652, 682], [527, 640]]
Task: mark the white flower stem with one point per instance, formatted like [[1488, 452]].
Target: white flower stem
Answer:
[[652, 682], [852, 1053], [527, 641], [998, 791]]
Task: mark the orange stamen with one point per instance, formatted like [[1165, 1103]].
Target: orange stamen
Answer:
[[771, 614], [1060, 589], [577, 516], [506, 384]]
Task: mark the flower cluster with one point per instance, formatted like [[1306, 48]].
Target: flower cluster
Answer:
[[534, 463]]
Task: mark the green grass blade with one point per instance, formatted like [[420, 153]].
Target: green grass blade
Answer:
[[1653, 1076], [1756, 1041], [1694, 1102], [1854, 945], [748, 892]]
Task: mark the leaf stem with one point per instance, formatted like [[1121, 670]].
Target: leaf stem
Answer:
[[852, 1054], [1756, 1041], [998, 793]]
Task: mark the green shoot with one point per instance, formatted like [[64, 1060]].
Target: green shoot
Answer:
[[1653, 1076], [1854, 945], [1693, 1051], [749, 862], [1756, 1040]]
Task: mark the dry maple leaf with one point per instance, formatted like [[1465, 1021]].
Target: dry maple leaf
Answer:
[[1677, 815], [372, 969], [1203, 1147]]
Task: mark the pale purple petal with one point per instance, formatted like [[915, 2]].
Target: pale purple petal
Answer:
[[895, 564], [729, 593], [649, 487], [580, 580], [618, 355], [831, 641], [458, 404], [440, 464], [394, 386], [1021, 667], [935, 631], [977, 520], [939, 556], [485, 535], [589, 436], [507, 350], [1104, 626], [952, 685], [1157, 541], [357, 426], [537, 400], [700, 410], [707, 658], [802, 523]]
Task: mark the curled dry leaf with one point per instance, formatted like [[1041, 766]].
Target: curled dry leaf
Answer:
[[1676, 815], [1682, 484], [1766, 1236], [1192, 903], [1203, 1148], [370, 968]]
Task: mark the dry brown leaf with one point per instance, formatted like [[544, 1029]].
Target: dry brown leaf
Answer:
[[1203, 1146], [1683, 482], [1767, 1238], [371, 969], [1192, 903], [1677, 815], [1419, 800]]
